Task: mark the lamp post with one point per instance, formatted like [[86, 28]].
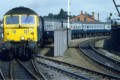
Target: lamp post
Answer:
[[68, 27], [68, 14]]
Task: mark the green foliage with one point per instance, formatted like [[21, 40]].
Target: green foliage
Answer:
[[61, 15]]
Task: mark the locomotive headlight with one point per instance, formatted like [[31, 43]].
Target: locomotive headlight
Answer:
[[25, 31], [14, 31], [32, 33], [7, 33], [22, 38]]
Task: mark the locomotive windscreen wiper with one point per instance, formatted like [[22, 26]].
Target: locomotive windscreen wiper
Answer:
[[27, 19], [12, 17]]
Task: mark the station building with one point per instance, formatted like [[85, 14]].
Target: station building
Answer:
[[85, 17]]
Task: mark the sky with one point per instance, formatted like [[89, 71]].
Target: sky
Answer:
[[44, 7]]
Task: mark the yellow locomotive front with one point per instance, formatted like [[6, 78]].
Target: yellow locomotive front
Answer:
[[19, 28]]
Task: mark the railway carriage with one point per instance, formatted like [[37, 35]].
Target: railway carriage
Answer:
[[89, 29], [64, 24], [77, 29], [49, 26], [92, 29]]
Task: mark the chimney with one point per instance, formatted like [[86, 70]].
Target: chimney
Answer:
[[81, 12], [98, 17], [85, 13], [93, 14]]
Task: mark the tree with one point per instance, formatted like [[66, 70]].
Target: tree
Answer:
[[61, 15], [50, 15]]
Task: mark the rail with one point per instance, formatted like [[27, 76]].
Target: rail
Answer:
[[95, 56], [37, 71], [1, 75], [30, 73], [65, 71], [104, 75], [113, 60]]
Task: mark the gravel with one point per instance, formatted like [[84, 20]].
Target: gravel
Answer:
[[74, 56]]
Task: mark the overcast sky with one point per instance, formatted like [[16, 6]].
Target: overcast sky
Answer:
[[43, 7]]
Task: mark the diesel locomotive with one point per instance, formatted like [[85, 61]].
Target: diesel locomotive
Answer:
[[22, 30]]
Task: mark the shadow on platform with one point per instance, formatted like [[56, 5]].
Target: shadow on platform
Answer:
[[50, 53]]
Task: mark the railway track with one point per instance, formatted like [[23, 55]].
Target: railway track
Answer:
[[20, 70], [33, 69], [1, 76], [5, 69], [89, 51], [70, 74], [92, 45], [76, 70]]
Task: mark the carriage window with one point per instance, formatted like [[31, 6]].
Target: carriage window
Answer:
[[12, 20], [28, 19], [88, 27]]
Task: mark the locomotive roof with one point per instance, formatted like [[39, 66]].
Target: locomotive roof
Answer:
[[72, 22], [89, 22], [96, 22], [52, 20], [21, 10]]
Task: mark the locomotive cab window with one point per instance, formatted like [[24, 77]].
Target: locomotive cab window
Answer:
[[27, 19], [12, 20]]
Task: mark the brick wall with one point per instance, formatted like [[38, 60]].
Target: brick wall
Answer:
[[84, 17]]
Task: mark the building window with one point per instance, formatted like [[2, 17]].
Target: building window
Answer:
[[78, 19], [85, 19]]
